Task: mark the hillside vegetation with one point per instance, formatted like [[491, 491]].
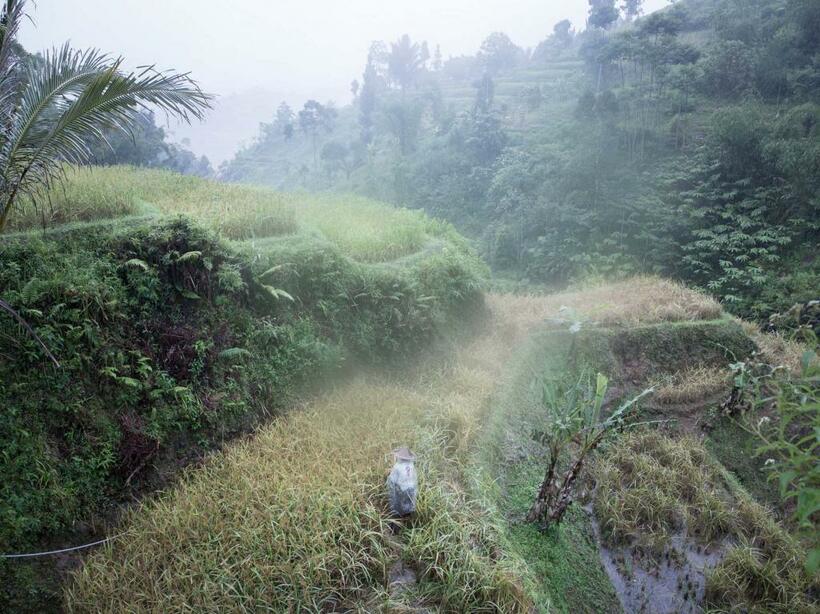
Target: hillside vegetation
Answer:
[[204, 385], [683, 143], [172, 338]]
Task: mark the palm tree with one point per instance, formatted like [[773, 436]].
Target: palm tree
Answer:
[[405, 61], [53, 111]]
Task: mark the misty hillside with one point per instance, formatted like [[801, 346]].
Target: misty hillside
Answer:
[[529, 330], [683, 143]]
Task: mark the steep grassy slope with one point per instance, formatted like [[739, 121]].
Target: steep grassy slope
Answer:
[[172, 339]]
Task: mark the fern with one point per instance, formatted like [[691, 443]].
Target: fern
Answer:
[[234, 354], [190, 256], [137, 263], [278, 293]]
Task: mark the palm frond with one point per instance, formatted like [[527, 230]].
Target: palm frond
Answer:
[[49, 89], [63, 106], [106, 100], [10, 17]]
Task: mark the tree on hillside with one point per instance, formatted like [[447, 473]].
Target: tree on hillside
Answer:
[[602, 14], [314, 117], [182, 160], [484, 137], [632, 9], [146, 145], [367, 100], [560, 39], [727, 69], [805, 15], [532, 97], [405, 62], [424, 54], [485, 92], [662, 23], [379, 57], [55, 109], [284, 120], [337, 157], [499, 53], [403, 120], [562, 32], [437, 61]]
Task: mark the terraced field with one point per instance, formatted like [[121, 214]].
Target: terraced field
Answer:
[[182, 314], [297, 519], [361, 228], [560, 82]]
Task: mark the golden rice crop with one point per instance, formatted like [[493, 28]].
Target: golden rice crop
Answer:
[[362, 228], [633, 302], [295, 519]]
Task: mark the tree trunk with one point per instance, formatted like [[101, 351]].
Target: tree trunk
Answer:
[[545, 493]]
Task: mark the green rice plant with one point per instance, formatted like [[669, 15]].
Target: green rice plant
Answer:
[[650, 486], [238, 212], [366, 228]]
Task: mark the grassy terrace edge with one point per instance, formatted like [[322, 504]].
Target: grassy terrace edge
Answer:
[[565, 571], [363, 229], [174, 339]]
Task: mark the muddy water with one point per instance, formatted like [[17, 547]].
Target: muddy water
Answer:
[[674, 584]]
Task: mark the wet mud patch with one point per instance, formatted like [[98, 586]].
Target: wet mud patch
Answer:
[[674, 582]]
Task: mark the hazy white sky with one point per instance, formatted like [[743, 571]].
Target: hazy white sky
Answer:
[[290, 50]]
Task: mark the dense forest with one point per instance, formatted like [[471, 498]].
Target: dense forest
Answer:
[[684, 143]]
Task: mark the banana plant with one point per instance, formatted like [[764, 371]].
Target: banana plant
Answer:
[[574, 428]]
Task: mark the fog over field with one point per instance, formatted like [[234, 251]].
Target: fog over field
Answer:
[[252, 52], [444, 306]]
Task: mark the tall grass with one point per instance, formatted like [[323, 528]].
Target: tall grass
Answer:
[[296, 518], [364, 229], [637, 301]]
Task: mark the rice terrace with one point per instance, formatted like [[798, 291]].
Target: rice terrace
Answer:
[[529, 328]]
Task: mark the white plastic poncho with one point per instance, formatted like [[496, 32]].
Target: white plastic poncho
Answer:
[[402, 483]]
